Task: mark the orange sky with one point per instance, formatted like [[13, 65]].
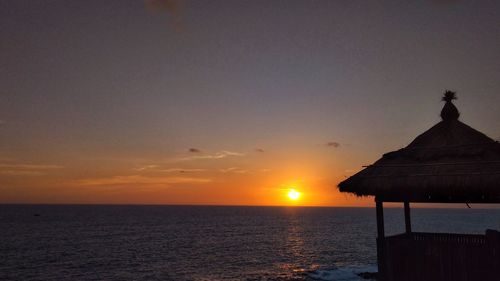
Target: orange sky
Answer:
[[251, 177]]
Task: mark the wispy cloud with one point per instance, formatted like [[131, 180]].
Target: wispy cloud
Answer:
[[333, 144], [234, 170], [194, 150], [180, 170], [26, 169], [238, 170], [218, 155], [158, 168], [146, 167], [259, 150], [21, 173], [133, 180]]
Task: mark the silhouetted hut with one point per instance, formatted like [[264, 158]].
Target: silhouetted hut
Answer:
[[449, 163]]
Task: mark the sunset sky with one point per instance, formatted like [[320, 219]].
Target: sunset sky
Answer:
[[229, 102]]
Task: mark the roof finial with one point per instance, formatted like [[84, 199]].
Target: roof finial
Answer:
[[449, 111], [449, 96]]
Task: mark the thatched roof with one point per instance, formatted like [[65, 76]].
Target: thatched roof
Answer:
[[450, 162]]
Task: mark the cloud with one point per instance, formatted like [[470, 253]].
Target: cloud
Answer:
[[333, 144], [139, 180], [194, 150], [26, 169], [259, 150], [156, 168], [3, 122], [238, 170], [180, 170], [234, 170], [21, 173], [147, 167], [218, 155]]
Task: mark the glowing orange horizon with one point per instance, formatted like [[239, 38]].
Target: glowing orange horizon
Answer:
[[192, 178]]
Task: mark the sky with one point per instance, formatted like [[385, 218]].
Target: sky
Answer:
[[229, 102]]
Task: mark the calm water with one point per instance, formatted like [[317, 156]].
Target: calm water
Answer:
[[204, 243]]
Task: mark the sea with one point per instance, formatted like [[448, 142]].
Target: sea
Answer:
[[110, 242]]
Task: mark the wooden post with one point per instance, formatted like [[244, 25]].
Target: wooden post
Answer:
[[407, 217], [380, 240]]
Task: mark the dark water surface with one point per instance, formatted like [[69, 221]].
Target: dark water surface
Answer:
[[204, 243]]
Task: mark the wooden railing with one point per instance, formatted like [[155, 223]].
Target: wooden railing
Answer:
[[442, 256], [443, 237]]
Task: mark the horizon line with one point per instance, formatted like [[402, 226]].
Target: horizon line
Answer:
[[392, 206]]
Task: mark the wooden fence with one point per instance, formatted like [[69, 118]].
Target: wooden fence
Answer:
[[443, 257]]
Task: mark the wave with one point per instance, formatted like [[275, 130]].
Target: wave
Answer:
[[357, 273]]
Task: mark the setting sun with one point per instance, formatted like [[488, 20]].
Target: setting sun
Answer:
[[293, 194]]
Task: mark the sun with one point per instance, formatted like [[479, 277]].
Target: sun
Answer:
[[293, 194]]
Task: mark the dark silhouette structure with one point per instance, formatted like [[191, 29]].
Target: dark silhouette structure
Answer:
[[449, 163]]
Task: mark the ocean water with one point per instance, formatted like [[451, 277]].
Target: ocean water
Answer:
[[62, 242]]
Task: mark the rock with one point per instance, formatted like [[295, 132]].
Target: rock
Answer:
[[368, 275]]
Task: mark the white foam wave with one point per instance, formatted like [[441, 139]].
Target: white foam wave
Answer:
[[341, 274]]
